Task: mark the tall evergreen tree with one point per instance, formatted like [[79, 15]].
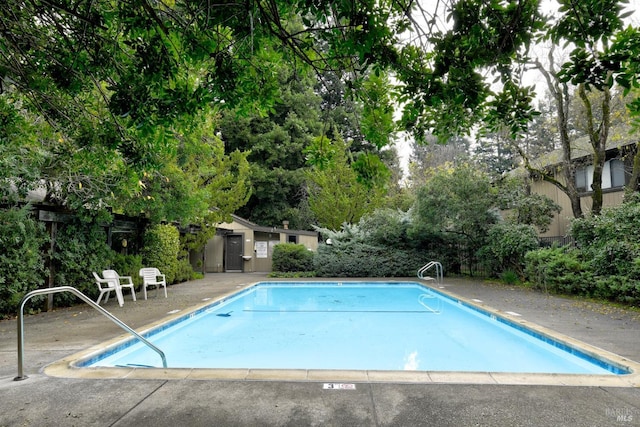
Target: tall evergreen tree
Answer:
[[276, 143], [494, 154]]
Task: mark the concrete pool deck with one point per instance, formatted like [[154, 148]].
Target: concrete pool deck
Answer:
[[50, 398]]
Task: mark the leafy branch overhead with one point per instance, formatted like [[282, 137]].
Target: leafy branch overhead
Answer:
[[445, 88], [154, 62], [117, 102]]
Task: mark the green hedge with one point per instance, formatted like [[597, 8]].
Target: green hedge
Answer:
[[618, 288], [356, 259], [185, 272], [560, 270], [564, 270], [21, 258], [507, 244], [605, 262], [291, 257], [128, 265], [80, 248], [161, 249]]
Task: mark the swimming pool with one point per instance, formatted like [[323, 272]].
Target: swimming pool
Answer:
[[399, 326]]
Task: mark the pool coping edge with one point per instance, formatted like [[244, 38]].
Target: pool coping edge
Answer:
[[68, 367]]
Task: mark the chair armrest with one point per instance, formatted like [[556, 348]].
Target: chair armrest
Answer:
[[126, 278]]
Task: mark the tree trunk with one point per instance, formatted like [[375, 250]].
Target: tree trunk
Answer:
[[560, 94], [596, 186], [635, 173], [598, 139]]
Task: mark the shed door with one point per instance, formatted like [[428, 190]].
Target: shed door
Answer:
[[233, 253]]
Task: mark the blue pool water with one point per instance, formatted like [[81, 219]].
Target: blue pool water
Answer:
[[355, 326]]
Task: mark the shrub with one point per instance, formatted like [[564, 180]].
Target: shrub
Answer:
[[161, 248], [522, 207], [184, 271], [80, 248], [618, 288], [611, 241], [292, 274], [615, 223], [189, 241], [21, 261], [128, 265], [614, 257], [509, 277], [379, 246], [507, 245], [358, 259], [290, 257], [559, 270], [386, 227]]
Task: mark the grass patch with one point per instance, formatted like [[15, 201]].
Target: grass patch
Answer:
[[291, 274]]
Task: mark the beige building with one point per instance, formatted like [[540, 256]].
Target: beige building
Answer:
[[242, 246], [616, 173]]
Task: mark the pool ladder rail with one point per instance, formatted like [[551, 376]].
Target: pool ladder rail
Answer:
[[89, 301], [431, 264], [423, 297]]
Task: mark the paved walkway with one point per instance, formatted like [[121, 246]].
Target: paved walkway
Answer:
[[42, 400]]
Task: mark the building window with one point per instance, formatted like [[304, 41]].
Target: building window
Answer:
[[292, 238], [617, 173], [583, 178], [612, 176]]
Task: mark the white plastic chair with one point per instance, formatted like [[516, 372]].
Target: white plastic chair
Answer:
[[105, 286], [150, 277], [121, 281]]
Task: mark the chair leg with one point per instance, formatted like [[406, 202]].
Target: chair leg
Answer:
[[165, 290], [144, 291], [104, 293]]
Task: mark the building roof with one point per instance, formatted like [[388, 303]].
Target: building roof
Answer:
[[256, 227], [581, 148]]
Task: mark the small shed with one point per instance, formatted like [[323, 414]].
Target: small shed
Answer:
[[242, 246]]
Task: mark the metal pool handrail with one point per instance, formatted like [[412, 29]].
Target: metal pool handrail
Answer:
[[438, 268], [86, 299]]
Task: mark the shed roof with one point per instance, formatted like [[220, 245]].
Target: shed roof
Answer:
[[256, 227]]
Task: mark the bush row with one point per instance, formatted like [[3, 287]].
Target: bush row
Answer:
[[605, 263], [79, 248], [384, 244], [565, 270], [364, 260], [21, 258], [350, 259]]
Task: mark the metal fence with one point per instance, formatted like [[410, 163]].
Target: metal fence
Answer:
[[468, 265], [547, 242]]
